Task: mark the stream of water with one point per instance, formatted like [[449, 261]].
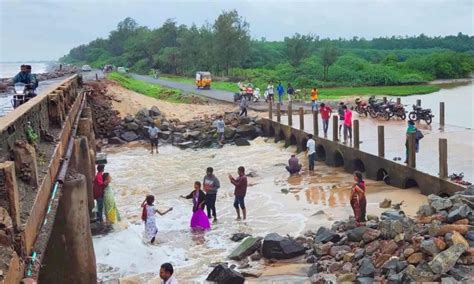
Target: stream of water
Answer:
[[276, 202]]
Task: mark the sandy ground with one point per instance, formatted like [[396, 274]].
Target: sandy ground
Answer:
[[130, 102]]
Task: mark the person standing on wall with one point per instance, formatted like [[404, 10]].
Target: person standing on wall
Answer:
[[340, 113], [347, 124], [311, 151], [314, 99], [271, 92], [325, 112], [290, 91], [280, 91]]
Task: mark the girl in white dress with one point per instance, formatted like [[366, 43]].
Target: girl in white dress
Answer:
[[148, 216]]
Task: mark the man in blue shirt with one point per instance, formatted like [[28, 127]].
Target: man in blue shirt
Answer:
[[280, 91], [25, 77]]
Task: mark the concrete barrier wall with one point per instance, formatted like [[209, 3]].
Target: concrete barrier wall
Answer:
[[374, 167]]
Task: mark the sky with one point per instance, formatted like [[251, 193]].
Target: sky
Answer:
[[47, 30]]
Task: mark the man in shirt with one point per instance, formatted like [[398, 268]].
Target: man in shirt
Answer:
[[220, 125], [270, 91], [25, 77], [166, 273], [280, 91], [98, 192], [294, 166], [340, 112], [347, 124], [211, 185], [240, 191], [311, 151], [314, 99], [325, 112], [290, 91], [153, 134]]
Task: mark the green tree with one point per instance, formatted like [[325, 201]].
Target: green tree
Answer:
[[298, 48], [329, 56]]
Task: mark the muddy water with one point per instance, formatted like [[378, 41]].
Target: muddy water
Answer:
[[275, 202]]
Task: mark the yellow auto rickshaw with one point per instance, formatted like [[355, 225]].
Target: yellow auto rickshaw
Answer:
[[203, 80]]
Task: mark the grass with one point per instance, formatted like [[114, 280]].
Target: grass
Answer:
[[150, 90], [330, 93]]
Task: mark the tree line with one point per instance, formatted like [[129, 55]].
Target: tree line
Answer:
[[226, 48]]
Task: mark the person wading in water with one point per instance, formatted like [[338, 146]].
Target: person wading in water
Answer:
[[358, 200], [211, 185], [240, 191]]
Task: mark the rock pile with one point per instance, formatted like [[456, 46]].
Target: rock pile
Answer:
[[437, 245]]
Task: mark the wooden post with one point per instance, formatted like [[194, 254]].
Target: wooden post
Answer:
[[356, 134], [384, 100], [270, 110], [441, 113], [301, 110], [399, 100], [11, 196], [418, 102], [290, 114], [334, 127], [96, 77], [411, 150], [443, 157], [315, 124], [278, 112], [381, 144]]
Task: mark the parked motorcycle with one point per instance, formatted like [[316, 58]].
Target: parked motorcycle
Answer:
[[22, 94], [394, 109], [419, 113], [376, 108], [361, 107]]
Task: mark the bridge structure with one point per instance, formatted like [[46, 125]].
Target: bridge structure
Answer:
[[47, 159], [372, 153]]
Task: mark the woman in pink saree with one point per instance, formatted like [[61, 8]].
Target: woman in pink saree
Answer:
[[199, 220]]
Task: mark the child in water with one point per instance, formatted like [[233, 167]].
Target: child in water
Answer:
[[148, 216]]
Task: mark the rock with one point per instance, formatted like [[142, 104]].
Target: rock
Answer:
[[154, 111], [251, 273], [459, 213], [224, 275], [470, 235], [359, 253], [392, 215], [371, 235], [132, 126], [355, 235], [323, 278], [440, 244], [394, 266], [442, 230], [415, 258], [461, 272], [237, 237], [347, 277], [445, 260], [312, 259], [462, 222], [429, 247], [371, 217], [448, 280], [366, 268], [244, 120], [425, 210], [128, 119], [336, 249], [164, 134], [241, 142], [457, 238], [439, 203], [398, 238], [185, 145], [313, 270], [389, 247], [334, 267], [324, 235], [408, 251], [116, 141], [348, 257], [247, 130], [381, 260], [246, 248], [365, 280], [420, 275], [256, 256], [372, 247], [278, 247], [468, 191], [129, 136], [229, 133], [192, 134], [323, 249], [386, 203]]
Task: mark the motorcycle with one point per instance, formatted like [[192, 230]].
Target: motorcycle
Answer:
[[376, 108], [394, 109], [419, 113], [458, 178], [248, 92], [361, 107], [22, 94]]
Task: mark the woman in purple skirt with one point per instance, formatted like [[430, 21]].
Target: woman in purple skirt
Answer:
[[199, 220]]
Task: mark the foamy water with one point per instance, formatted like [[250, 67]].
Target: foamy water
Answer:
[[136, 173]]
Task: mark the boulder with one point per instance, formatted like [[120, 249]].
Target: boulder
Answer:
[[278, 247], [347, 277], [425, 210], [459, 213], [355, 235], [371, 235], [419, 274], [371, 217], [132, 126], [415, 258], [440, 243], [154, 111], [389, 247], [392, 215], [128, 119], [372, 247], [429, 247], [324, 235], [445, 260], [129, 136], [348, 257], [335, 267], [364, 280], [142, 115], [408, 251], [244, 120], [462, 272], [164, 134], [394, 266], [229, 133], [116, 141], [192, 134], [247, 130], [246, 248], [323, 249], [323, 278], [314, 269], [439, 203], [237, 237], [385, 203], [457, 238], [470, 235], [165, 125], [312, 259], [224, 275], [241, 142], [347, 267], [366, 268], [448, 280], [359, 253], [337, 249], [381, 260], [185, 145]]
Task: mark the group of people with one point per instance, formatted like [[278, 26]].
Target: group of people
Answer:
[[270, 92], [104, 197]]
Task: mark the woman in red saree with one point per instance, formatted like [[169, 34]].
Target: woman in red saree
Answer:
[[358, 200]]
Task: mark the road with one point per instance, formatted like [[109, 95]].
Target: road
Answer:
[[188, 88]]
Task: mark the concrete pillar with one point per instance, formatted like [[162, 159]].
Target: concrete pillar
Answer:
[[301, 112], [25, 163], [335, 131], [399, 100], [54, 111], [10, 195], [381, 140], [418, 102], [356, 134], [411, 150], [278, 112], [443, 157], [96, 77], [441, 113], [81, 163], [270, 110], [290, 114], [69, 256], [315, 124]]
